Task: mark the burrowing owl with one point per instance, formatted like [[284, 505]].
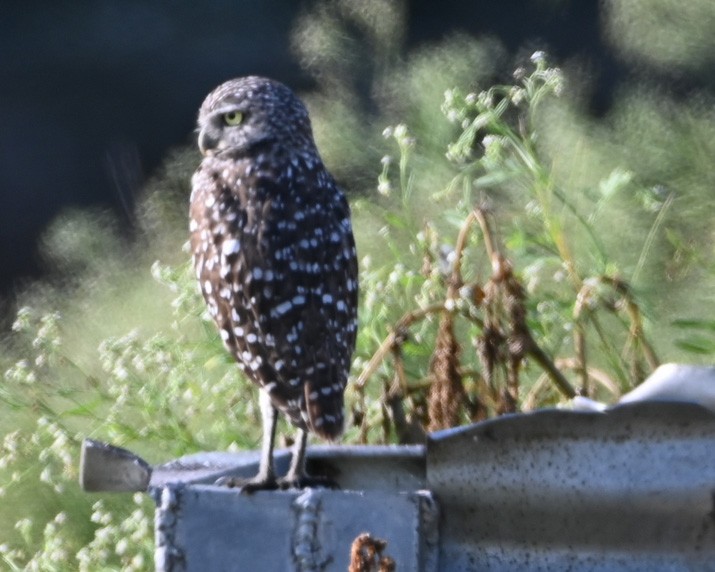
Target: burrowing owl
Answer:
[[274, 254]]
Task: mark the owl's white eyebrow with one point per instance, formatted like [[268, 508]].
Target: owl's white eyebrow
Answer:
[[226, 109]]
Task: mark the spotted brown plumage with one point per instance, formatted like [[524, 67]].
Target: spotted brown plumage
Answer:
[[275, 258]]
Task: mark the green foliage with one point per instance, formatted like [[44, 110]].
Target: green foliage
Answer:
[[664, 33], [121, 350], [163, 394], [431, 309], [512, 251]]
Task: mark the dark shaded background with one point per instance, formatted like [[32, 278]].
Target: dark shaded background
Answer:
[[92, 94]]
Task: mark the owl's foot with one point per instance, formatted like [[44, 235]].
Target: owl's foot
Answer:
[[249, 486]]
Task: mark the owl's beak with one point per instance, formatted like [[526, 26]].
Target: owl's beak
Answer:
[[207, 144]]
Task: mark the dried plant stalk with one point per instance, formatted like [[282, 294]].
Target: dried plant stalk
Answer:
[[446, 394]]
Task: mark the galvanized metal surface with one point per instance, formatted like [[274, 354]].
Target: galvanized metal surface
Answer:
[[200, 527], [677, 382], [672, 382], [351, 467], [203, 528], [104, 467], [630, 489]]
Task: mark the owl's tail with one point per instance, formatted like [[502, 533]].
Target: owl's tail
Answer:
[[324, 403]]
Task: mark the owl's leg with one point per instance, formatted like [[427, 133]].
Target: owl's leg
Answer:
[[266, 477], [297, 477], [296, 472], [269, 417]]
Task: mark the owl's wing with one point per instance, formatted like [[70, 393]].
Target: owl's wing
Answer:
[[332, 338], [304, 297]]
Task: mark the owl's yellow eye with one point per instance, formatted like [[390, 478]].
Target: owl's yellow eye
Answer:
[[232, 118]]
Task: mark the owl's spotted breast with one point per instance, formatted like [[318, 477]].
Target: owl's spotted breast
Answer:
[[275, 259]]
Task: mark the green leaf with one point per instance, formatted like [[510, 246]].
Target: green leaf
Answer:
[[697, 345], [694, 324], [395, 220]]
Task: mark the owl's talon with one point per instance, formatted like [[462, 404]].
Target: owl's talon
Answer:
[[248, 486]]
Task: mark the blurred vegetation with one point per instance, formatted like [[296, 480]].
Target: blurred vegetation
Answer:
[[513, 251]]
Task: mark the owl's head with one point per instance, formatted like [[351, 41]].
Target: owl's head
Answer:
[[250, 111]]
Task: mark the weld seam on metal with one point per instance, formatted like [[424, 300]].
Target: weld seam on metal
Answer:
[[306, 543], [167, 557]]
